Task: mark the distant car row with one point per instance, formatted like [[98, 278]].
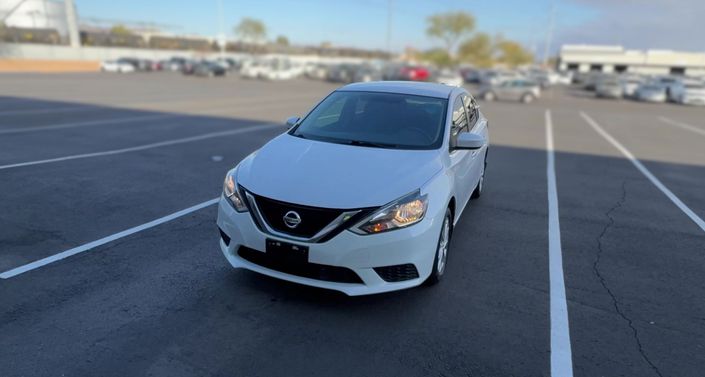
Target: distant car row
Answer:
[[683, 90], [217, 67]]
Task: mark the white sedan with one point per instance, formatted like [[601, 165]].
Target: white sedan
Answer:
[[362, 194], [116, 66]]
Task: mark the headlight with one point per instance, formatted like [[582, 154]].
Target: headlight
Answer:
[[232, 193], [401, 213]]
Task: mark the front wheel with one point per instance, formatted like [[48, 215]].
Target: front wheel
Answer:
[[527, 98], [480, 184], [441, 259]]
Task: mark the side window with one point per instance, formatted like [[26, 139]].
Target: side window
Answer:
[[459, 121]]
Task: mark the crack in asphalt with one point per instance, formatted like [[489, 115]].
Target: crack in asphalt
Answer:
[[603, 282]]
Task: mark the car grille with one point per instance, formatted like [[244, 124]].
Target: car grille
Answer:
[[313, 219], [308, 270], [399, 272]]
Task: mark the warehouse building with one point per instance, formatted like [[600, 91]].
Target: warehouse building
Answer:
[[616, 59]]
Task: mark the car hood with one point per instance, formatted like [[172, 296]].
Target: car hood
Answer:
[[320, 174]]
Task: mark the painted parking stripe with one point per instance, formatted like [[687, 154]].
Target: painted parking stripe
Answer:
[[561, 353], [142, 147], [693, 216], [87, 123], [92, 245], [684, 126]]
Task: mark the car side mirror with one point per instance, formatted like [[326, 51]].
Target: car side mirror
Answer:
[[291, 121], [467, 140]]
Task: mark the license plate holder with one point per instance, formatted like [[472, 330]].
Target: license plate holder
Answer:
[[286, 252]]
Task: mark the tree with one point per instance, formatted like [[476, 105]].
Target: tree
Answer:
[[450, 27], [478, 51], [120, 30], [282, 41], [513, 54], [251, 30], [438, 57]]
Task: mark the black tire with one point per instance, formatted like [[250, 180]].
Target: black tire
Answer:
[[477, 192], [440, 260]]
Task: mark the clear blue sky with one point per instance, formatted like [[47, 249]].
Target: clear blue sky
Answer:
[[355, 23]]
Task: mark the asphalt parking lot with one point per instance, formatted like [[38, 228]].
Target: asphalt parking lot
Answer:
[[84, 157]]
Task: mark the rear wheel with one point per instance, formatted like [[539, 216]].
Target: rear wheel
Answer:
[[441, 259]]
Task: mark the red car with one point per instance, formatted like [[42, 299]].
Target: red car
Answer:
[[414, 73]]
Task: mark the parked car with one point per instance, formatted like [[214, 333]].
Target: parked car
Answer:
[[522, 90], [280, 69], [176, 64], [543, 77], [118, 66], [676, 90], [609, 87], [366, 73], [210, 69], [651, 92], [342, 73], [315, 206], [406, 73], [590, 80], [495, 77], [692, 94], [670, 84], [471, 75], [252, 69], [316, 71], [448, 77], [564, 78], [630, 84], [188, 67]]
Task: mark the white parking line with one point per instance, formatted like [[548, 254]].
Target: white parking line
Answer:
[[561, 354], [696, 219], [142, 147], [684, 126], [92, 245], [87, 123]]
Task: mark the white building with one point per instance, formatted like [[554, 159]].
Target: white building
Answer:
[[586, 58], [35, 14]]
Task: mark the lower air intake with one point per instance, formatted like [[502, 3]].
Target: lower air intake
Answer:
[[399, 272]]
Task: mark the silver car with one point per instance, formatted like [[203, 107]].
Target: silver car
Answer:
[[523, 90], [692, 94], [651, 92], [609, 88]]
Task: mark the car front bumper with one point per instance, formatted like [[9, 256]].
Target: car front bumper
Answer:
[[359, 253]]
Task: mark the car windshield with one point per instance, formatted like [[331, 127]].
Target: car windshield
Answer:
[[383, 120]]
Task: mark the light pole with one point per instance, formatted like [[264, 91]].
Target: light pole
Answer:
[[549, 33], [72, 23], [389, 29], [221, 36]]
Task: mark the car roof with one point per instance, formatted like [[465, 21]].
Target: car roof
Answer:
[[427, 89]]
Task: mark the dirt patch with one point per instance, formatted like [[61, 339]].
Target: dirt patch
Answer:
[[48, 66]]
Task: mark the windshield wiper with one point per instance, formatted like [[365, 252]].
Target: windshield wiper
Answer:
[[363, 143]]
